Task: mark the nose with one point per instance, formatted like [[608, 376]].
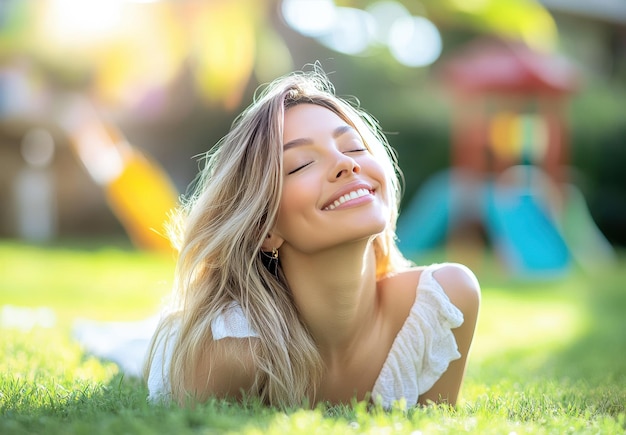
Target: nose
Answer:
[[344, 166]]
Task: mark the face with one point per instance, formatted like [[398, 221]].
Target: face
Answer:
[[333, 188]]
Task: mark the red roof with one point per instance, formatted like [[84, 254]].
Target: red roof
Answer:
[[496, 66]]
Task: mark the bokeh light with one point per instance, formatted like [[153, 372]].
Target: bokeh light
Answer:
[[415, 41], [385, 13], [310, 18], [352, 32]]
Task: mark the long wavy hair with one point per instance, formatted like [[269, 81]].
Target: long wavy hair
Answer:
[[220, 228]]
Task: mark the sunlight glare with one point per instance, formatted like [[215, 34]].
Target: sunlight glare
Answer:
[[79, 22]]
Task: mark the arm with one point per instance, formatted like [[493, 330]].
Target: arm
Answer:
[[228, 370], [463, 289]]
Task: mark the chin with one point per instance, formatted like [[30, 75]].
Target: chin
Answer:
[[369, 226]]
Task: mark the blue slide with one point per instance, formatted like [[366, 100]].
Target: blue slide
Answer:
[[524, 234], [445, 200], [518, 224]]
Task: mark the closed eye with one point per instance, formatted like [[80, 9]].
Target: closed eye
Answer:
[[358, 150], [298, 168]]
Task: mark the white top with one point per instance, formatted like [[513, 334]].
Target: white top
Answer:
[[423, 348], [419, 355]]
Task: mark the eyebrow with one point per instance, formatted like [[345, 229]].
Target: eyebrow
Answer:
[[342, 129]]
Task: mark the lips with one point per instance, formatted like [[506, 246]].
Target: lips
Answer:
[[348, 194]]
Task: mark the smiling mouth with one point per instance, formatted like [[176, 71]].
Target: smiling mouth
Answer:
[[348, 197]]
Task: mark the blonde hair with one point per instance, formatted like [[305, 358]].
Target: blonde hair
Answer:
[[219, 231]]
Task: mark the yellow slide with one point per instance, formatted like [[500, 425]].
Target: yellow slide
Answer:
[[138, 190]]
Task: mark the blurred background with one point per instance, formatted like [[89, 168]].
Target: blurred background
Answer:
[[508, 116]]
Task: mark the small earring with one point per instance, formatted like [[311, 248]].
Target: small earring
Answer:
[[273, 266], [270, 260]]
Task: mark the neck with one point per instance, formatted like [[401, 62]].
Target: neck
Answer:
[[335, 292]]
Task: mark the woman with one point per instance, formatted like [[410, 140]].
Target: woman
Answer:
[[289, 284]]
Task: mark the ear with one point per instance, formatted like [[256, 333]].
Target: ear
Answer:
[[272, 241]]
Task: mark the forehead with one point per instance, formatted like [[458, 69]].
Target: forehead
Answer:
[[306, 119]]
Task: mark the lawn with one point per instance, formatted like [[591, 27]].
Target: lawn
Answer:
[[549, 357]]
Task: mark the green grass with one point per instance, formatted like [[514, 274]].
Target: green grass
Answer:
[[548, 358]]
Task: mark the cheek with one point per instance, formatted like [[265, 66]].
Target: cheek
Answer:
[[377, 173], [298, 199]]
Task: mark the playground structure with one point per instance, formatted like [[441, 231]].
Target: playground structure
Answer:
[[509, 165]]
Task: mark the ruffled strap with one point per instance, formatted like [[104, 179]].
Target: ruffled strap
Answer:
[[232, 322], [424, 347]]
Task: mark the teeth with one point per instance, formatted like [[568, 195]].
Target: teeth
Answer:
[[348, 196]]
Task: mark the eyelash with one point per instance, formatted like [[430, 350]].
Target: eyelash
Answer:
[[298, 168], [307, 164]]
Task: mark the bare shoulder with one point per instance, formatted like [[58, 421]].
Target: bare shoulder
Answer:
[[397, 293], [400, 285], [227, 369], [460, 284]]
